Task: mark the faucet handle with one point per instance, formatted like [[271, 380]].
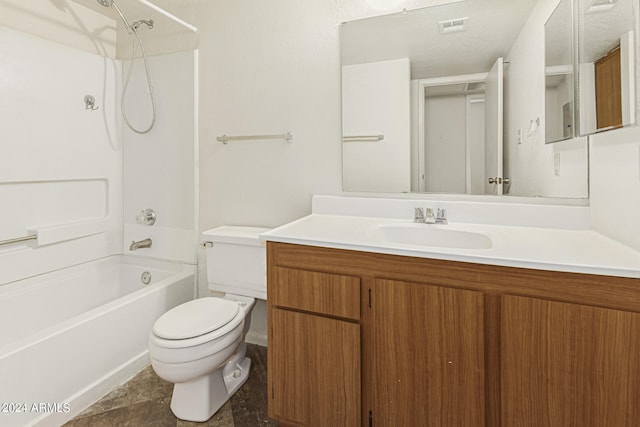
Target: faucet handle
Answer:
[[442, 216], [146, 217]]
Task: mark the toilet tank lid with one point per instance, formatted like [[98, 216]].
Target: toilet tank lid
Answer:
[[239, 235]]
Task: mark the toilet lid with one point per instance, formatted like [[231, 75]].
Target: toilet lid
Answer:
[[195, 318]]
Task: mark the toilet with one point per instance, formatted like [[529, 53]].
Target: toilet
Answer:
[[199, 345]]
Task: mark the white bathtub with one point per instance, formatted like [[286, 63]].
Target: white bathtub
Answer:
[[68, 337]]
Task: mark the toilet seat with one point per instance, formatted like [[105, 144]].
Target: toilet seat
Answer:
[[199, 321], [195, 318]]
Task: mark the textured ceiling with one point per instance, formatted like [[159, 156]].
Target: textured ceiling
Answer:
[[490, 30], [601, 31]]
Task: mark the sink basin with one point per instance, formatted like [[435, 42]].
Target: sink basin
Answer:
[[430, 235]]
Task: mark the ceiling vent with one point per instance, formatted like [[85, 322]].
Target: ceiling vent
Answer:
[[451, 25]]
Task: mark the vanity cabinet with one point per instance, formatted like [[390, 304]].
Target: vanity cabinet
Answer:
[[369, 339]]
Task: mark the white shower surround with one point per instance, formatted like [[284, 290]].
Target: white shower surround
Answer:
[[69, 342]]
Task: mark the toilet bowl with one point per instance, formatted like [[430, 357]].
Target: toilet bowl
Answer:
[[199, 345]]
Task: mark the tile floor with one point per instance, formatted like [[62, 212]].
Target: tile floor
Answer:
[[144, 402]]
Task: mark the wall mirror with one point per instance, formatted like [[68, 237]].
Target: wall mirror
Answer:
[[607, 34], [451, 99], [559, 75]]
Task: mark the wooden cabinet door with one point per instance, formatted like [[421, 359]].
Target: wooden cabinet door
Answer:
[[314, 370], [608, 82], [428, 355], [568, 364]]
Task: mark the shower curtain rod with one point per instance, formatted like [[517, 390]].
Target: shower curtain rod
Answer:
[[169, 15]]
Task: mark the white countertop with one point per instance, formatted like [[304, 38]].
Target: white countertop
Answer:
[[578, 251]]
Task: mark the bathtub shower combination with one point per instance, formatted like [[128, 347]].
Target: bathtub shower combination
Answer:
[[77, 302], [70, 347]]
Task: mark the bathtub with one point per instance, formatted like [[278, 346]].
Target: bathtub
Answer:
[[70, 336]]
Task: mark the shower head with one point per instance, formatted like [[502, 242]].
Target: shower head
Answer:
[[112, 3]]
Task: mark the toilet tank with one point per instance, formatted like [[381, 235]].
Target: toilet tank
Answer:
[[236, 261]]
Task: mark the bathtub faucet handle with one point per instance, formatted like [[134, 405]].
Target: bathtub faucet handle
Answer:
[[146, 217]]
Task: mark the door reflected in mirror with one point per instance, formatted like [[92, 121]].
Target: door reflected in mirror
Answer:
[[460, 141]]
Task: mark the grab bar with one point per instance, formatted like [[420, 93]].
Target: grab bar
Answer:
[[365, 138], [18, 239], [286, 136]]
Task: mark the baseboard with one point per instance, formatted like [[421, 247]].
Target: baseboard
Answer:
[[255, 338]]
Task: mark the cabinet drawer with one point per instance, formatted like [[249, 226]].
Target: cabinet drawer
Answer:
[[323, 293]]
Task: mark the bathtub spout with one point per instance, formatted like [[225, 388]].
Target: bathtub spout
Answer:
[[146, 243]]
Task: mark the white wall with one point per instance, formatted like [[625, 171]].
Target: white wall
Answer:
[[615, 185], [60, 165], [530, 165], [267, 68], [160, 166]]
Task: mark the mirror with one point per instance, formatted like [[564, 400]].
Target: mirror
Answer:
[[559, 76], [450, 99], [606, 58]]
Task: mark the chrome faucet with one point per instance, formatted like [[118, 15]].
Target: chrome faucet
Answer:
[[146, 243], [427, 216]]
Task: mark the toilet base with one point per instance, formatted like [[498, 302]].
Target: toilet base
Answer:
[[199, 399]]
